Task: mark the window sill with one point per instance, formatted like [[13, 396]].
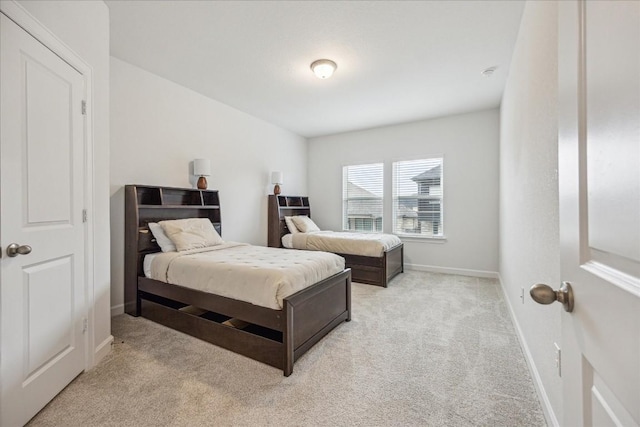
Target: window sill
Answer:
[[409, 238]]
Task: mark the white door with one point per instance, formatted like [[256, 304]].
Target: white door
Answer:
[[599, 166], [42, 345]]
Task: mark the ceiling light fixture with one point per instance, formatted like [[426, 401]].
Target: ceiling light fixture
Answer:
[[323, 68]]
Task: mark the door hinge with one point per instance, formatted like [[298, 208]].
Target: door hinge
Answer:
[[84, 215], [84, 107], [85, 325]]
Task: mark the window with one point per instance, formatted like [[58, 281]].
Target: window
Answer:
[[362, 197], [417, 198]]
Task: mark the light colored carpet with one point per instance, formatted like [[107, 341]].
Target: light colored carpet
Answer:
[[430, 350]]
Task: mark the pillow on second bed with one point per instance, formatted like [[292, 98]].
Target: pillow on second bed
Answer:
[[304, 224], [191, 233]]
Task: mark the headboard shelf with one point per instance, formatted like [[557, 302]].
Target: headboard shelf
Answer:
[[171, 196], [149, 195], [210, 198], [293, 201], [178, 207]]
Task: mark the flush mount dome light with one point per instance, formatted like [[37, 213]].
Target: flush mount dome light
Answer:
[[323, 68]]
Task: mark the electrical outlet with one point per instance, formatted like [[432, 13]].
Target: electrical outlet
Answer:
[[522, 295], [558, 359]]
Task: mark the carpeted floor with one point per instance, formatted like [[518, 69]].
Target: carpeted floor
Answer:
[[430, 350]]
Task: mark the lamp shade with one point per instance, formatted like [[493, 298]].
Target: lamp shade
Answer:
[[276, 178], [201, 167]]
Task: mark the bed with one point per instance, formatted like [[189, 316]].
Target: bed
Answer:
[[376, 269], [277, 335]]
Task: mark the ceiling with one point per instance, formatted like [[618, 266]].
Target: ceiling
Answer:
[[398, 61]]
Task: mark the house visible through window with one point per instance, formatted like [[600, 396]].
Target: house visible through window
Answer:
[[362, 197], [417, 197]]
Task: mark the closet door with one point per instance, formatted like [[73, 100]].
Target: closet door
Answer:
[[42, 233]]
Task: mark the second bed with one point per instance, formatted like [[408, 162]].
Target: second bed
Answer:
[[374, 258]]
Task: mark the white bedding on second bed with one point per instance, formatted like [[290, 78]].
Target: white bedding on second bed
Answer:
[[343, 242], [255, 274]]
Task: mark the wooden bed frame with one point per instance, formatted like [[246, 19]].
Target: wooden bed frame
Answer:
[[364, 269], [275, 337]]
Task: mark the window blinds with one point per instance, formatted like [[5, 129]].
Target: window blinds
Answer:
[[417, 197], [362, 197]]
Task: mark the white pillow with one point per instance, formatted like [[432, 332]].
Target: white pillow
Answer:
[[165, 243], [304, 224], [191, 233], [290, 225]]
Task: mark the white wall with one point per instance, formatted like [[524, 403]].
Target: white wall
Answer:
[[159, 127], [84, 27], [469, 144], [529, 236]]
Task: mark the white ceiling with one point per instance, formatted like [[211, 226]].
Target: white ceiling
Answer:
[[398, 61]]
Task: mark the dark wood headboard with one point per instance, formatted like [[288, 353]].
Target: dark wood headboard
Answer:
[[145, 204], [279, 207]]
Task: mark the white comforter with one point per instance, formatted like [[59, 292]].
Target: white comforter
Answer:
[[365, 244], [255, 274]]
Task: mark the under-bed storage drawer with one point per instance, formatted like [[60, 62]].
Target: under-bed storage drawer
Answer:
[[209, 328]]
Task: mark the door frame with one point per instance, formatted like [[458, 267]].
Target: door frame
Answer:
[[15, 12]]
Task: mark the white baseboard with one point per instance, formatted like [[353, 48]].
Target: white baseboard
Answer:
[[102, 350], [117, 309], [448, 270], [549, 414]]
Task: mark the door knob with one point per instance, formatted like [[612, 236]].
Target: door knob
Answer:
[[14, 250], [543, 294]]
